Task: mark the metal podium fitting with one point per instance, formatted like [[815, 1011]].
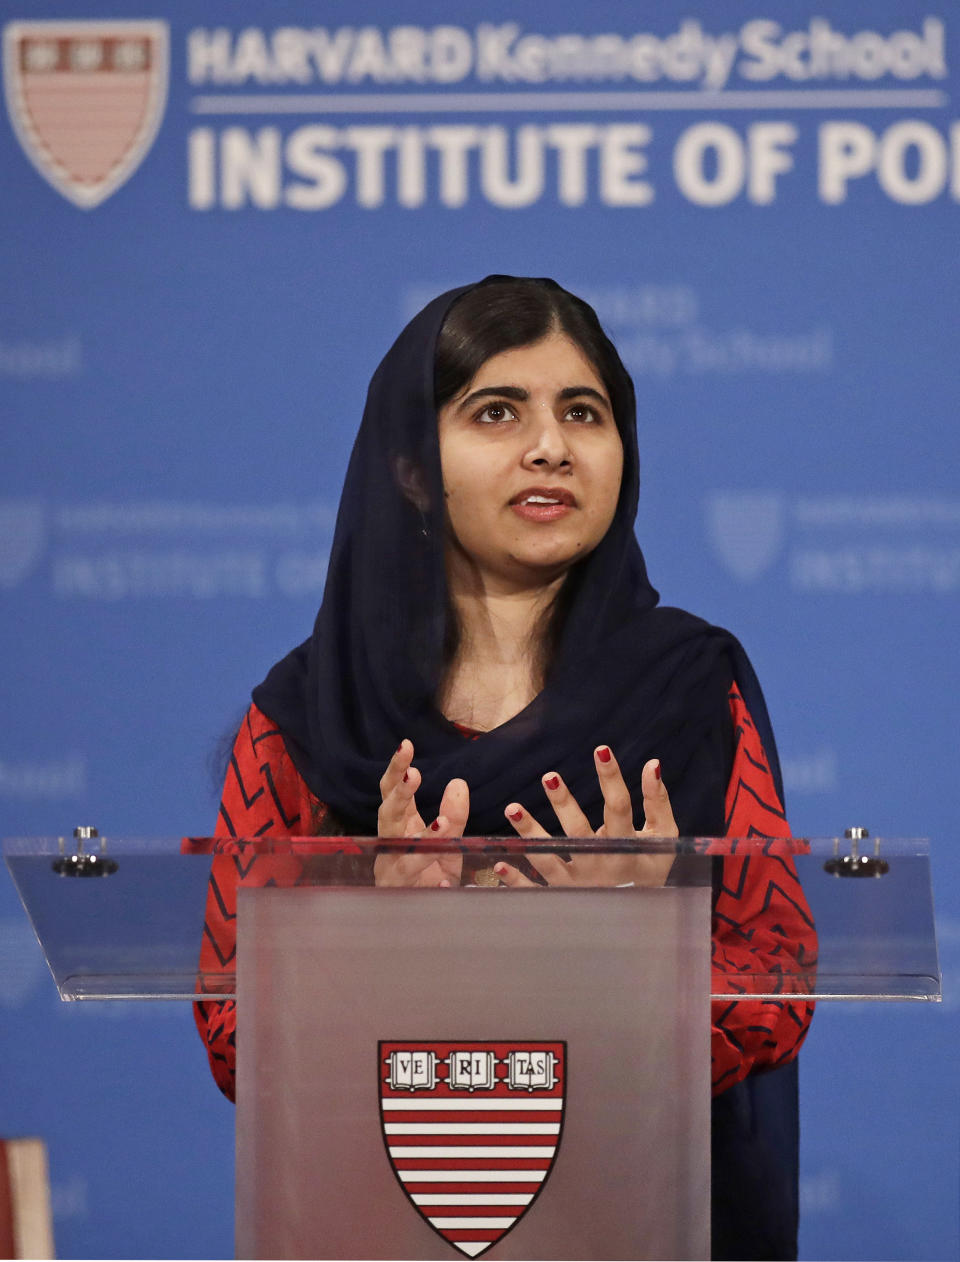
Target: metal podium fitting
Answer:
[[855, 863], [84, 862]]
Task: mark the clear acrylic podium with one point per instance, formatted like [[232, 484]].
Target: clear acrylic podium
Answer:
[[433, 1073]]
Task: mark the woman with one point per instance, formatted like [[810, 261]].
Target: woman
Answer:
[[487, 621]]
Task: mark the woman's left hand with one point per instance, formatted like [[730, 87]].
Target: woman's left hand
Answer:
[[599, 869]]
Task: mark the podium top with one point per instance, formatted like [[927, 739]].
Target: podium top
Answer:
[[123, 918]]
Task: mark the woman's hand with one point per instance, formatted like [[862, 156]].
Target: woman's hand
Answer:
[[599, 869], [398, 817]]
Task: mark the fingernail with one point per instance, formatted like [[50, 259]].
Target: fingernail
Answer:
[[603, 753], [499, 868], [406, 777], [435, 826], [552, 782], [399, 747], [515, 815], [656, 771]]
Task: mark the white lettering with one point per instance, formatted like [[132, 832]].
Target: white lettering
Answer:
[[495, 181], [757, 38], [930, 177], [121, 575], [572, 140], [493, 51], [530, 58], [208, 55], [682, 52], [820, 52], [451, 54], [846, 152], [62, 778], [408, 52], [505, 53], [727, 155], [721, 54], [201, 178], [291, 55], [768, 157], [307, 156], [370, 145], [453, 144], [411, 168], [330, 53], [250, 168], [914, 162], [621, 162], [251, 59]]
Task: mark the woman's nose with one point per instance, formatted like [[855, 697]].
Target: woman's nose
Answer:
[[548, 447]]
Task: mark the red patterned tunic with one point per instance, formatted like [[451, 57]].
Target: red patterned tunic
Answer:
[[761, 919]]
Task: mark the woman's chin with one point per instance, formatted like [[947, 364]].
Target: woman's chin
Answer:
[[544, 565]]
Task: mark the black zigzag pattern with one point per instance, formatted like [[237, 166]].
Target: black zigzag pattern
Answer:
[[288, 820], [744, 787], [248, 798]]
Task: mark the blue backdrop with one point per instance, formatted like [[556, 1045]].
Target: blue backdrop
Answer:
[[213, 223]]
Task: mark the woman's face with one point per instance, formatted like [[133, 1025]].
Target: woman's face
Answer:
[[532, 463]]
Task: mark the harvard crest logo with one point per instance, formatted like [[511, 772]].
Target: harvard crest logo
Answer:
[[86, 99], [746, 530], [472, 1131]]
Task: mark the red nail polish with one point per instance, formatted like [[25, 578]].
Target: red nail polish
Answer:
[[603, 753], [656, 771], [552, 782], [515, 815], [435, 826], [406, 776]]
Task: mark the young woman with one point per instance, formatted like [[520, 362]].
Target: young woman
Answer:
[[490, 654]]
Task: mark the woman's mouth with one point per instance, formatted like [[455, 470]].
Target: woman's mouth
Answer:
[[543, 504]]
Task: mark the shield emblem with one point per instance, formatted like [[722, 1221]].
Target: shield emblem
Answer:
[[86, 99], [22, 539], [746, 530], [472, 1131]]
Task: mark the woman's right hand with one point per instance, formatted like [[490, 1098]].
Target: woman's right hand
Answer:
[[398, 817]]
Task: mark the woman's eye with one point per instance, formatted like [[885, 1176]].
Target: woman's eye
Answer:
[[494, 412], [581, 412]]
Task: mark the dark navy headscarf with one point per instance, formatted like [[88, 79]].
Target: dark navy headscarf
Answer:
[[648, 681]]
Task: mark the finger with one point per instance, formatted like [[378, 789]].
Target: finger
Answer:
[[449, 862], [617, 806], [396, 767], [523, 822], [565, 806], [434, 877], [404, 869], [455, 807], [658, 813], [397, 812], [553, 869], [509, 875]]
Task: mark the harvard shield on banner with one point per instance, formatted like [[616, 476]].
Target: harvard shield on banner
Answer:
[[746, 530], [472, 1131], [86, 99]]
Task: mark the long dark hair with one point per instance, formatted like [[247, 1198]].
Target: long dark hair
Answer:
[[501, 314], [504, 312]]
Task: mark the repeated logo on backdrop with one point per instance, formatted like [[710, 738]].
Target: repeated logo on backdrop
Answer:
[[86, 100], [844, 545]]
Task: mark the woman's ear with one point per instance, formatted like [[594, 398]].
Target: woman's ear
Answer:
[[411, 482]]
